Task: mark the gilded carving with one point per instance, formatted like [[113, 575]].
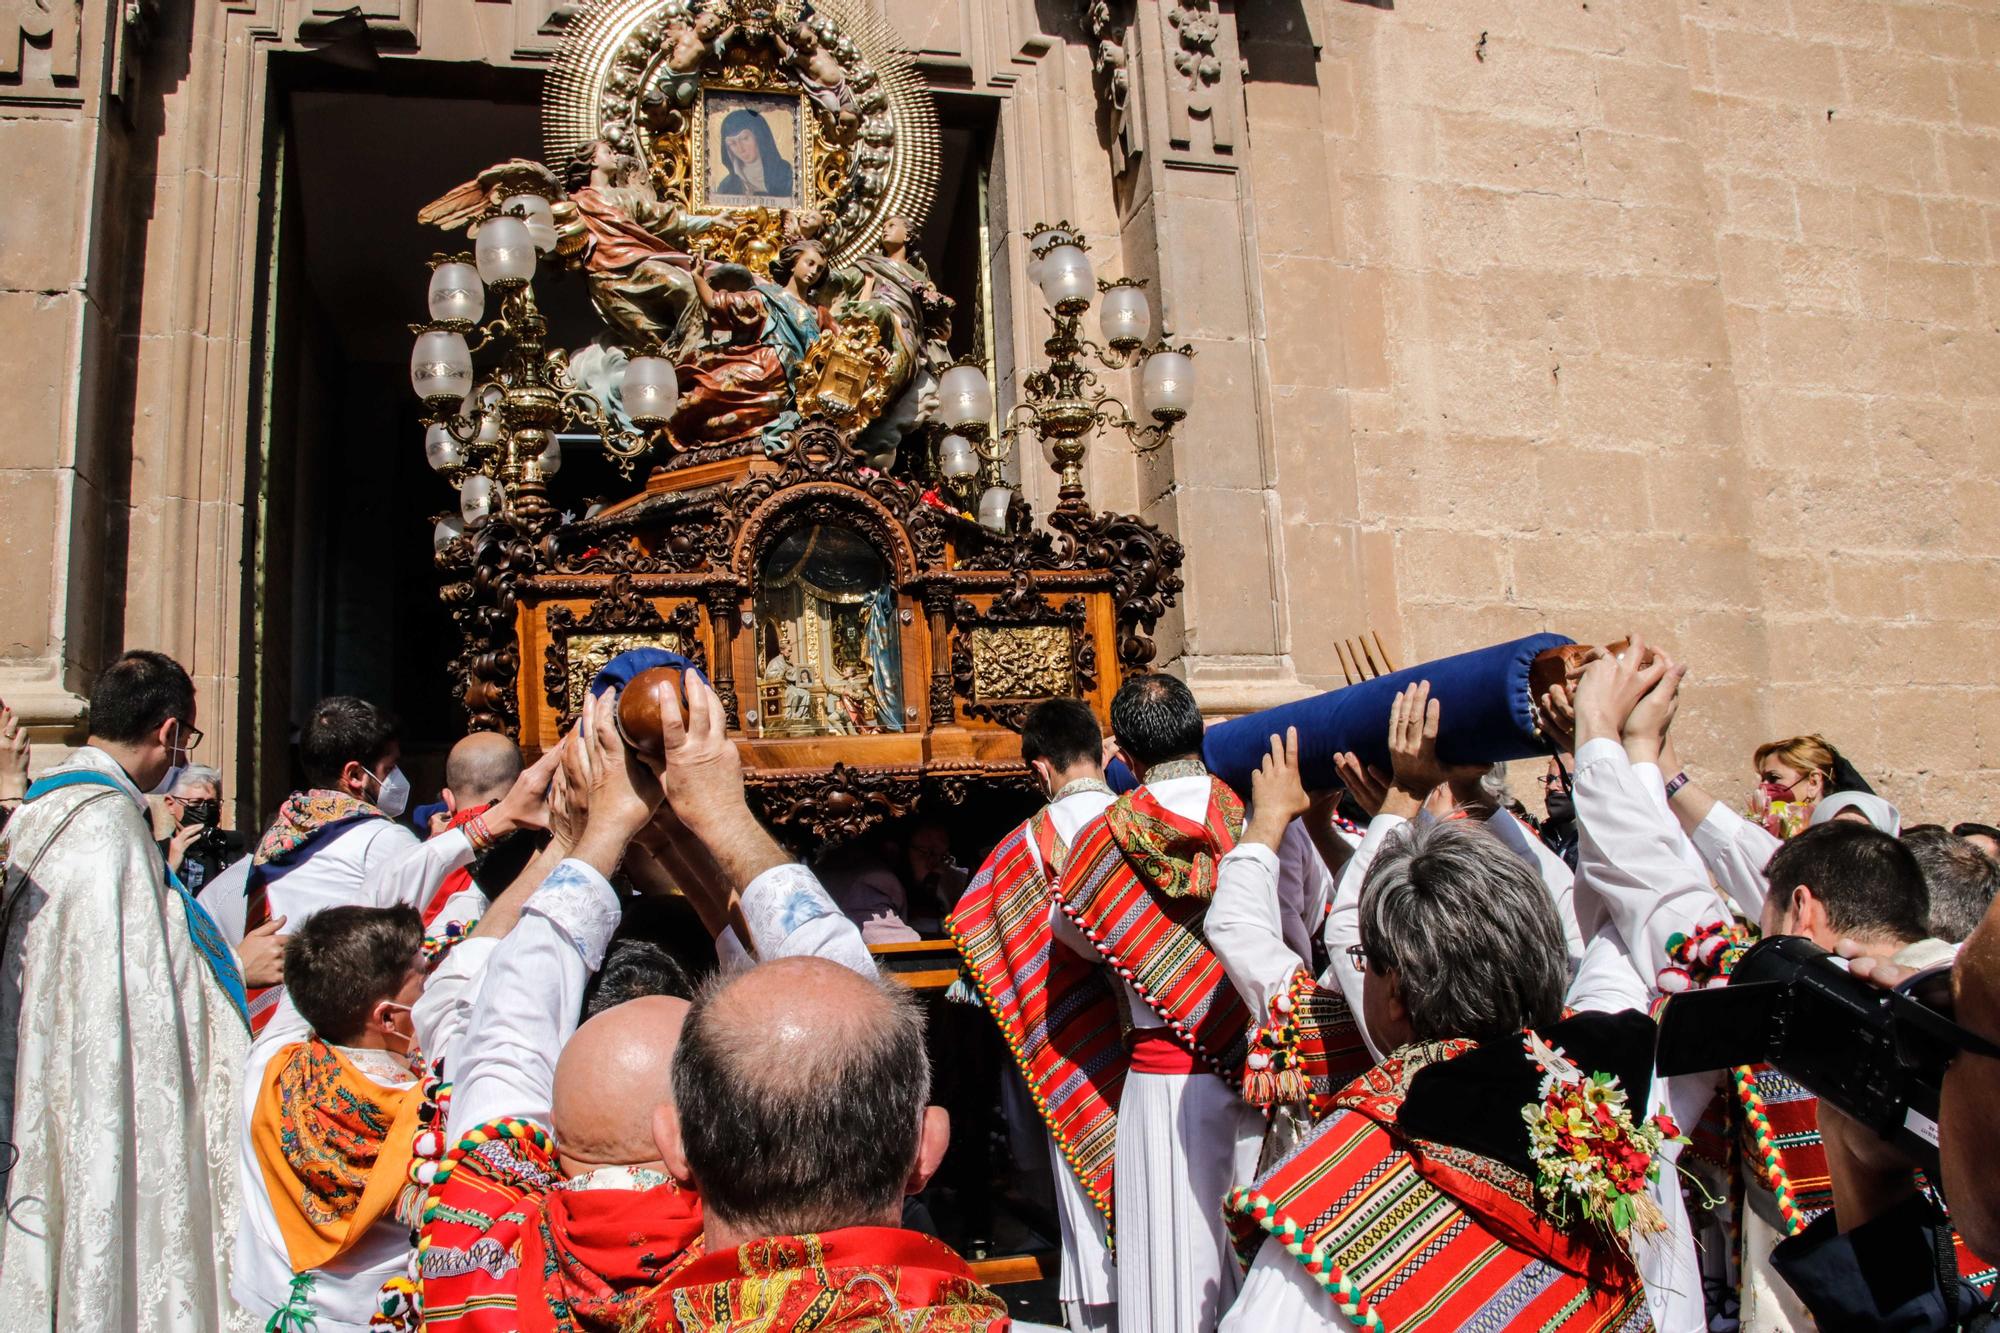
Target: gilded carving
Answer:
[[1019, 651], [845, 375], [1012, 662], [619, 620]]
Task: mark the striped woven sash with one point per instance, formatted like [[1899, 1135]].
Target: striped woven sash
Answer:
[[1150, 930], [1056, 1012]]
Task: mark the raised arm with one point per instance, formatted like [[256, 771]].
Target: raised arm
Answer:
[[777, 907], [1631, 874], [1245, 920], [532, 990], [415, 876]]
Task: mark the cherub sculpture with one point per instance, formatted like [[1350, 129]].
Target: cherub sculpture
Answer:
[[823, 77]]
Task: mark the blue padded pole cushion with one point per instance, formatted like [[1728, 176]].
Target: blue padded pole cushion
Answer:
[[621, 670], [1487, 716]]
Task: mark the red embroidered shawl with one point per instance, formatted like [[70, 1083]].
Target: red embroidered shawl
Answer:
[[1406, 1234], [503, 1250], [854, 1280], [1057, 1012], [1138, 883]]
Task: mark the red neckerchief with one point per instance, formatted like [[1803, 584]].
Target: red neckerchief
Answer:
[[460, 878], [593, 1255], [854, 1280]]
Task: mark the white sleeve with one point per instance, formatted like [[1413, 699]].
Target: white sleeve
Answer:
[[1555, 875], [529, 998], [224, 899], [443, 1012], [1245, 927], [463, 909], [1630, 873], [1736, 852], [413, 874], [1606, 979], [790, 915], [1343, 922]]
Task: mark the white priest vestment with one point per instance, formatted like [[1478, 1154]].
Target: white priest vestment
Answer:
[[119, 1058]]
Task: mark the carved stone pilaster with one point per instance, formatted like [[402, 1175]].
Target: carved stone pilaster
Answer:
[[1204, 77], [1114, 56]]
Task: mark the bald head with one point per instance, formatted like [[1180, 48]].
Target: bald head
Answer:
[[481, 768], [614, 1072], [800, 1089]]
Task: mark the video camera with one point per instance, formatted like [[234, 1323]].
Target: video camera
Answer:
[[1877, 1055]]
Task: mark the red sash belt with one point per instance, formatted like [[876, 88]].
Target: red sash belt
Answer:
[[1155, 1052]]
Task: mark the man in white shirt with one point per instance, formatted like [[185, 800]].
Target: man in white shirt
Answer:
[[1134, 893], [338, 843], [329, 1122], [1058, 1014]]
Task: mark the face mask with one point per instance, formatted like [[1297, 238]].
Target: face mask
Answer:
[[179, 756], [1559, 803], [392, 794], [201, 812]]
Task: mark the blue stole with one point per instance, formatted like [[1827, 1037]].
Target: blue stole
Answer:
[[214, 950]]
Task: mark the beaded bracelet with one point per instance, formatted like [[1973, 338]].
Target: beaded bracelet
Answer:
[[478, 834]]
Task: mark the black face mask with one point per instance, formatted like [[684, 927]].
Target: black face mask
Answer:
[[1560, 804], [201, 812]]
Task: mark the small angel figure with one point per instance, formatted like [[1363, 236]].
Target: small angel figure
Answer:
[[823, 77]]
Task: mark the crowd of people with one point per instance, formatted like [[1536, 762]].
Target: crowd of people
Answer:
[[596, 1052]]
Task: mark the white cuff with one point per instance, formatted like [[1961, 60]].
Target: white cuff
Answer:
[[782, 900], [580, 903], [1253, 851], [1598, 750], [1385, 823]]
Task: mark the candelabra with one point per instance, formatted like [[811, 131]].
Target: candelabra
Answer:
[[494, 437], [1064, 406]]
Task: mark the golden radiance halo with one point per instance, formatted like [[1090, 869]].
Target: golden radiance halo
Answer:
[[573, 101]]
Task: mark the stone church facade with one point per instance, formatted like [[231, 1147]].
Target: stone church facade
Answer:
[[1680, 316]]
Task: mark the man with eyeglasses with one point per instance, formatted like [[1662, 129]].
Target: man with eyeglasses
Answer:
[[122, 1030], [1874, 1261]]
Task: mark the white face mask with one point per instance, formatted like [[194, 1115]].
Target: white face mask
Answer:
[[392, 794], [179, 756]]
